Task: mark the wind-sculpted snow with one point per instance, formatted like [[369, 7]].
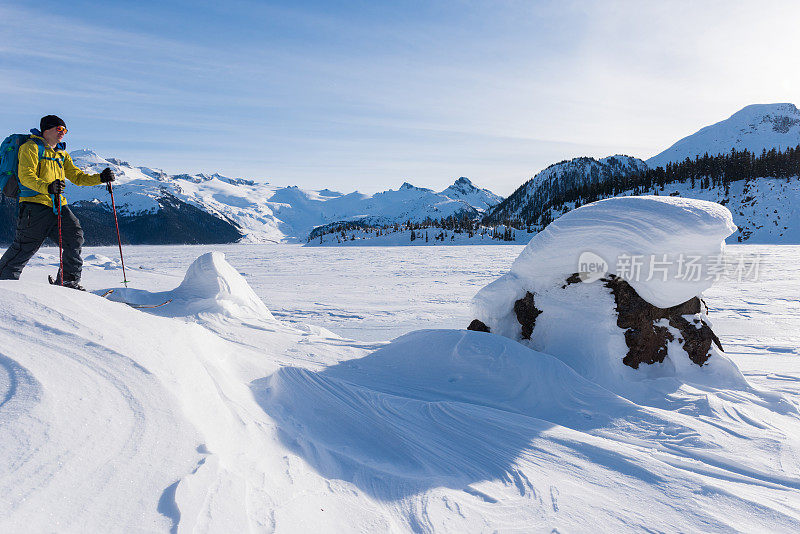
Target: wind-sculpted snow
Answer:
[[215, 286], [446, 412], [83, 441], [657, 231], [434, 408], [211, 287], [208, 415]]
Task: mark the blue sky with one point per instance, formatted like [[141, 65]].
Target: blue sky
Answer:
[[366, 95]]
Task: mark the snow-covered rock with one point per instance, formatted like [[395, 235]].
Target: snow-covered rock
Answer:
[[756, 127], [636, 255], [621, 230]]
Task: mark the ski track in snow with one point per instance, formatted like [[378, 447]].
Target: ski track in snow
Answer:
[[218, 422]]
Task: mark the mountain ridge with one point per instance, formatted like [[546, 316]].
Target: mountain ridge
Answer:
[[260, 211], [755, 127], [530, 199], [246, 210]]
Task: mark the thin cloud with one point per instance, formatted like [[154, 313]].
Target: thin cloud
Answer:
[[311, 92]]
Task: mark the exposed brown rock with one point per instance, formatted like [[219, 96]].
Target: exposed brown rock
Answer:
[[478, 326], [696, 341], [574, 278], [646, 344], [646, 341], [526, 312]]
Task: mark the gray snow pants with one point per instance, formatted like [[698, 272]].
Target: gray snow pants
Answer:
[[35, 223]]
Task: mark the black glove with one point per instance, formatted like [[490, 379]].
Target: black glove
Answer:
[[56, 187], [107, 176]]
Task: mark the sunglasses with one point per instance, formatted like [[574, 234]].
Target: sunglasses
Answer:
[[61, 129]]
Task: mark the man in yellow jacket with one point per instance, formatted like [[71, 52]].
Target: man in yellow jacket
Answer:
[[43, 166]]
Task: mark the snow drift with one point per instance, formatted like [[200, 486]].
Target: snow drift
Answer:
[[476, 424], [434, 408], [211, 287]]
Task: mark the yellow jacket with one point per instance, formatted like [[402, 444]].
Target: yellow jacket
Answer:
[[36, 174]]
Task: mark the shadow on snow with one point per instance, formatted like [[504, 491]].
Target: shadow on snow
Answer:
[[444, 408]]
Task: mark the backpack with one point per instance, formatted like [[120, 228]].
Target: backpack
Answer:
[[9, 161]]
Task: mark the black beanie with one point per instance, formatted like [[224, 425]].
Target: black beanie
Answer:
[[50, 121]]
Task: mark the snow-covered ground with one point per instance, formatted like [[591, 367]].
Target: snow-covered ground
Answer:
[[217, 414], [369, 294]]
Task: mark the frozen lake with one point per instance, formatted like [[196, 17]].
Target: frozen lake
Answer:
[[379, 293], [369, 293]]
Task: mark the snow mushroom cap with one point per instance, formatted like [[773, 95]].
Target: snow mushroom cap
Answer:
[[647, 241], [657, 234]]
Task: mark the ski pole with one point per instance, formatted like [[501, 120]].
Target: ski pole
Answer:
[[57, 211], [119, 240]]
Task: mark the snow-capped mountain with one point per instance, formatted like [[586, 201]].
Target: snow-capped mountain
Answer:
[[762, 193], [765, 210], [303, 210], [208, 208], [413, 203], [755, 128], [262, 212], [559, 178], [464, 189]]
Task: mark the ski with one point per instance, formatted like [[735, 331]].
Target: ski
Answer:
[[132, 305], [138, 306]]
